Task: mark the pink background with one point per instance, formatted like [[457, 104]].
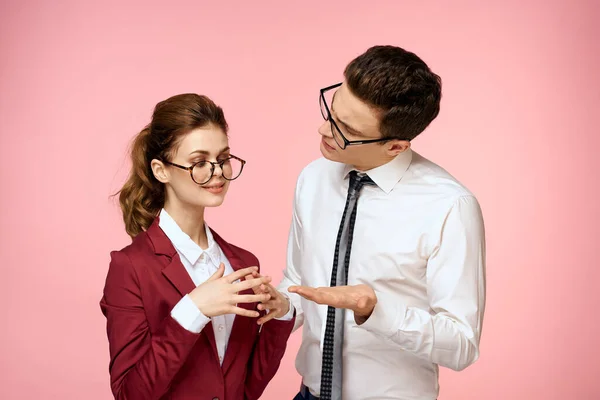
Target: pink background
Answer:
[[521, 90]]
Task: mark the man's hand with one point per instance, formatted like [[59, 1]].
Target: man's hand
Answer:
[[359, 298], [277, 305]]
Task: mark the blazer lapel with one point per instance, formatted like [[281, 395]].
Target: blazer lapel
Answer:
[[238, 331], [175, 272]]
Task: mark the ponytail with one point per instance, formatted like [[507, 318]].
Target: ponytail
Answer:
[[142, 197]]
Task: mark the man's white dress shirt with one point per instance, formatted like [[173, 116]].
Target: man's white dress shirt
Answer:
[[419, 243]]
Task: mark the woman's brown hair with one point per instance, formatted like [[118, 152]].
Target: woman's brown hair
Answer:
[[142, 196]]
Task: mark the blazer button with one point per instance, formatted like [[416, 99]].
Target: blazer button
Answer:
[[215, 398]]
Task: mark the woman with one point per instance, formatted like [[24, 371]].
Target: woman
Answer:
[[181, 302]]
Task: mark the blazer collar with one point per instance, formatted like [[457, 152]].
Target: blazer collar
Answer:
[[163, 246]]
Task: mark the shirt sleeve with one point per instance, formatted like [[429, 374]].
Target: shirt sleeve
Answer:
[[448, 333], [188, 315], [291, 274]]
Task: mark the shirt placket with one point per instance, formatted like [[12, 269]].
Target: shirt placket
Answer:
[[218, 321]]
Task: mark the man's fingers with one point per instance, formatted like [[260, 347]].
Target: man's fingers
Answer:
[[250, 298], [239, 274], [327, 295], [243, 312], [298, 289], [322, 295], [362, 302], [308, 293], [250, 283]]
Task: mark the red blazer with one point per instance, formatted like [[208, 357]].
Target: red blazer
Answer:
[[153, 357]]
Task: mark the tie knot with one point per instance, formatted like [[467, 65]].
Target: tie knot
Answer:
[[357, 182]]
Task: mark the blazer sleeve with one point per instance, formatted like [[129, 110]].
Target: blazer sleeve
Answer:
[[269, 348], [142, 364]]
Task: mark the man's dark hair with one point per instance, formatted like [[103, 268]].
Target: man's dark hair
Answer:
[[400, 86]]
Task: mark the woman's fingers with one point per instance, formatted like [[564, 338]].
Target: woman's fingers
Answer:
[[250, 298], [239, 274], [243, 312], [250, 283]]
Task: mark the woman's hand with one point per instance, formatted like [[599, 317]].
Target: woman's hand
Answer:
[[219, 295], [277, 305]]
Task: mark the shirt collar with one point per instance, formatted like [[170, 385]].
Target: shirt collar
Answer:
[[386, 176], [184, 244]]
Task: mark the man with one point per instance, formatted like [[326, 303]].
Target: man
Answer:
[[386, 255]]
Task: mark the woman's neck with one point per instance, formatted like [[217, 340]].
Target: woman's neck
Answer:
[[191, 221]]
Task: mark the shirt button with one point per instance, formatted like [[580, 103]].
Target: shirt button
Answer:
[[221, 327]]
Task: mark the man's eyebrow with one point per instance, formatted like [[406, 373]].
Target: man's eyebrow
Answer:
[[345, 125]]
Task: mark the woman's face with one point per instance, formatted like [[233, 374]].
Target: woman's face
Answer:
[[208, 143]]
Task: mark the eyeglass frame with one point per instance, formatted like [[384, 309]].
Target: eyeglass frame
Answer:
[[212, 168], [336, 127]]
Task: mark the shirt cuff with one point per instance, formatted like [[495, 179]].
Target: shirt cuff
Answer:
[[188, 315], [290, 313], [387, 316]]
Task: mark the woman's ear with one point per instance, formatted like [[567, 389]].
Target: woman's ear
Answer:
[[160, 171]]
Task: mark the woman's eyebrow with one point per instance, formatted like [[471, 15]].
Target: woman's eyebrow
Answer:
[[207, 153]]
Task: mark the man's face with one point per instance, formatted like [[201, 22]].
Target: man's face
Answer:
[[357, 121]]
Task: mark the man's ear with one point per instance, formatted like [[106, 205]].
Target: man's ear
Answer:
[[395, 147]]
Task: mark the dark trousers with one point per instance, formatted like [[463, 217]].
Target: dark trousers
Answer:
[[305, 394]]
